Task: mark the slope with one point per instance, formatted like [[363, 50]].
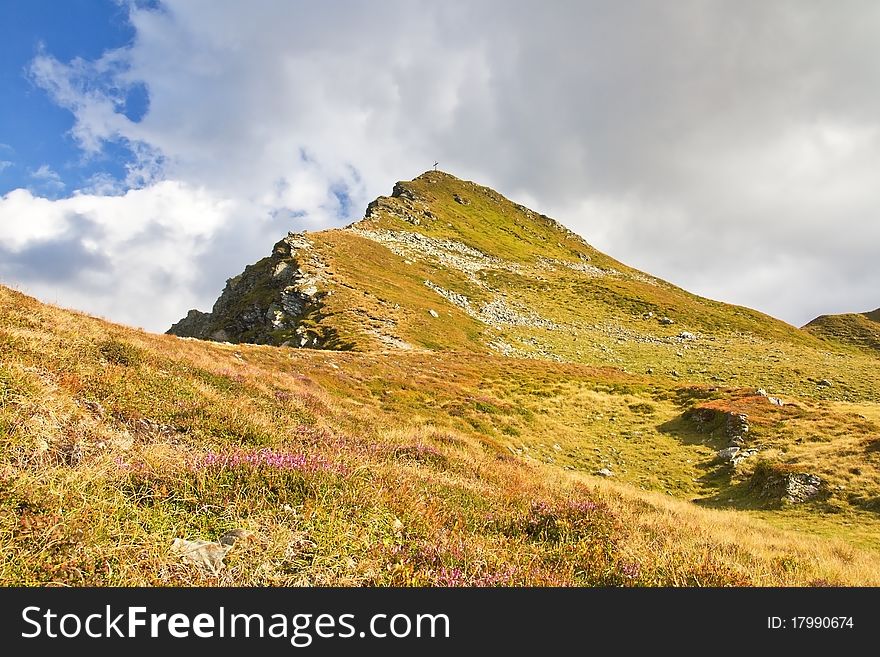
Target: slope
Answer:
[[861, 330], [445, 264], [346, 468]]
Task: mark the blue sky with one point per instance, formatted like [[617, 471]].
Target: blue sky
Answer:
[[34, 131], [150, 150]]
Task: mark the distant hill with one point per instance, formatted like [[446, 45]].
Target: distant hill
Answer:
[[858, 329]]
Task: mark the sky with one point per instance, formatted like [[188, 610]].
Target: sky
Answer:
[[150, 150]]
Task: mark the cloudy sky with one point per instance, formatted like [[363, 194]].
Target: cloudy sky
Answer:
[[149, 150]]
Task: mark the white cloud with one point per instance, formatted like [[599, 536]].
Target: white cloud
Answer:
[[732, 150], [46, 180], [137, 257]]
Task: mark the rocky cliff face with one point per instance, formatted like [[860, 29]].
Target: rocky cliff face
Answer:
[[267, 303]]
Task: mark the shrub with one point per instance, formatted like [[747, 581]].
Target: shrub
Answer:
[[120, 353]]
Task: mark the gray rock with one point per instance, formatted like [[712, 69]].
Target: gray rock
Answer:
[[824, 383], [727, 454], [605, 472], [684, 335], [742, 455], [776, 401], [459, 300], [793, 487], [802, 487], [433, 313], [666, 320]]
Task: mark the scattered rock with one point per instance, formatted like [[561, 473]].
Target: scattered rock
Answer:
[[459, 300], [776, 401], [684, 335], [499, 313], [450, 253], [675, 373], [666, 321], [824, 383], [205, 554], [605, 472], [461, 201], [742, 455], [761, 391], [433, 313]]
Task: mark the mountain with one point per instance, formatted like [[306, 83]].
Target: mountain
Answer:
[[455, 390], [498, 275], [861, 330]]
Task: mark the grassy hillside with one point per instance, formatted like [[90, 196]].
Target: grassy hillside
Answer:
[[861, 330], [445, 264], [405, 467], [447, 234], [486, 400]]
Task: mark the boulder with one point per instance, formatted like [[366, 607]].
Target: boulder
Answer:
[[727, 454]]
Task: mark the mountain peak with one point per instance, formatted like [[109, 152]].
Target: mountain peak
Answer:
[[447, 264], [439, 205]]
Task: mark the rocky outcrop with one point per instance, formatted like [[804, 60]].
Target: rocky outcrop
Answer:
[[778, 485], [195, 324], [735, 428], [266, 303], [734, 425]]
